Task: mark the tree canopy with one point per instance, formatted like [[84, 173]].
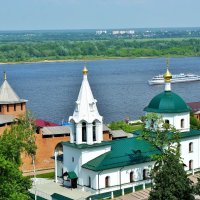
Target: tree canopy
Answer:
[[13, 142], [91, 48]]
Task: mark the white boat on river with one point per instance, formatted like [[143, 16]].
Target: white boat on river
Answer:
[[176, 78]]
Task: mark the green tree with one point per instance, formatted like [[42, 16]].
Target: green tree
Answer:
[[13, 142], [122, 125], [194, 122], [13, 185], [170, 181], [18, 139]]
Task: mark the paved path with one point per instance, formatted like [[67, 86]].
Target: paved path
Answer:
[[48, 187], [140, 195]]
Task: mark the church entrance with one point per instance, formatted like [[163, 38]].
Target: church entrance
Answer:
[[74, 183], [71, 178]]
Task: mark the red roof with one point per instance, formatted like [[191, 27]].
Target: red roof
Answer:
[[43, 123], [194, 105]]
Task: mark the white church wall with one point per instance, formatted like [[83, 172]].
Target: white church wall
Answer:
[[193, 155], [175, 120], [74, 158], [137, 172], [91, 153], [93, 178], [120, 177], [71, 159]]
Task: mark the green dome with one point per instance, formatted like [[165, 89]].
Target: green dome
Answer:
[[167, 102]]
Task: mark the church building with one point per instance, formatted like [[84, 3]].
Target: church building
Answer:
[[90, 163]]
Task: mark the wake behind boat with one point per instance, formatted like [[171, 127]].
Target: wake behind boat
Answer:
[[176, 78]]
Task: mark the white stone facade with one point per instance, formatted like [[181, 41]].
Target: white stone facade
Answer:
[[180, 121]]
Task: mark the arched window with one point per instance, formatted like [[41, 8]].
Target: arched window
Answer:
[[144, 174], [89, 181], [182, 123], [166, 121], [94, 131], [190, 147], [131, 177], [107, 181], [190, 164], [152, 123], [84, 132]]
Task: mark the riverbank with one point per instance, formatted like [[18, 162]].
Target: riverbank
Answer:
[[86, 59]]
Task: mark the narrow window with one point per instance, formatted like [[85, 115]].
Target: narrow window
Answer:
[[190, 147], [22, 106], [107, 181], [7, 108], [152, 123], [14, 107], [144, 174], [92, 107], [89, 182], [94, 131], [76, 109], [182, 123], [131, 177], [166, 121], [84, 132], [74, 132], [72, 159], [190, 164]]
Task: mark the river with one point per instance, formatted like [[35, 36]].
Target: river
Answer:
[[120, 86]]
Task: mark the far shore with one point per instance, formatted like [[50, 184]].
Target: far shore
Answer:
[[85, 59]]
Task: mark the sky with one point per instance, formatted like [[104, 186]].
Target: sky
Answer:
[[97, 14]]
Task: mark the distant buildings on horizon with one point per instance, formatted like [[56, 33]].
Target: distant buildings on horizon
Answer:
[[116, 32]]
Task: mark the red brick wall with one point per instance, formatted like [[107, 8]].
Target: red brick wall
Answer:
[[107, 136], [45, 150], [20, 109]]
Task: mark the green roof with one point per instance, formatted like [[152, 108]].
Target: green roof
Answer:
[[86, 146], [72, 175], [167, 102], [56, 196], [191, 133], [38, 197], [124, 152]]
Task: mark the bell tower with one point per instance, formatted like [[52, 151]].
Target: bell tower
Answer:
[[87, 124]]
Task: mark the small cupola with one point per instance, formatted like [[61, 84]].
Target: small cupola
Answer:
[[170, 106]]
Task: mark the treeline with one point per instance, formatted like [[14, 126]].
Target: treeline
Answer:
[[59, 50]]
